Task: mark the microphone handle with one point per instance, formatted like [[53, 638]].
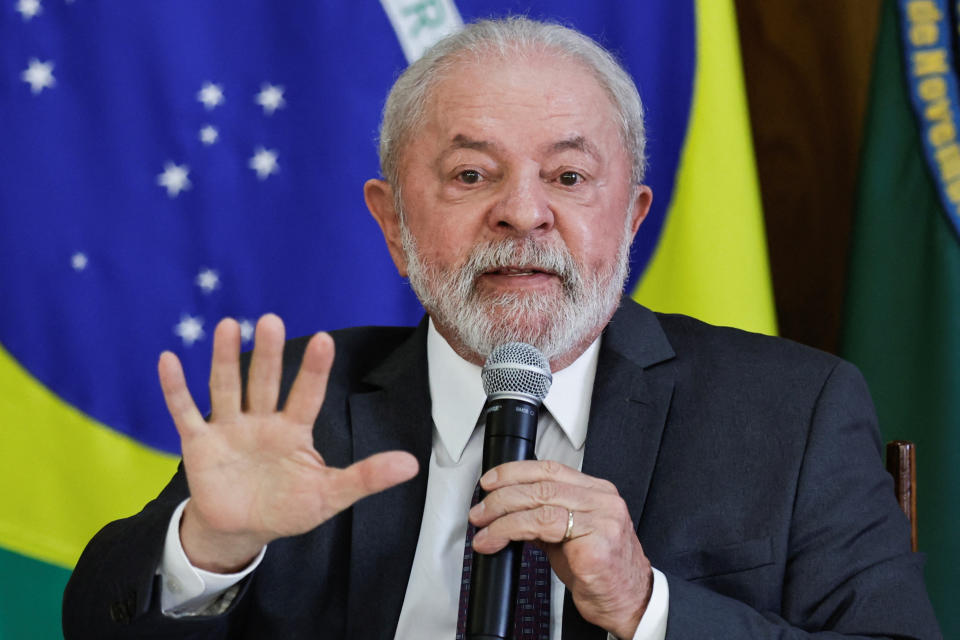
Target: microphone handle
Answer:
[[511, 433]]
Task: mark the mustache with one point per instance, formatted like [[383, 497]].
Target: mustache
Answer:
[[523, 253]]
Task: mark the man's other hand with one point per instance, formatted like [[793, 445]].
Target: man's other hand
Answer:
[[601, 560]]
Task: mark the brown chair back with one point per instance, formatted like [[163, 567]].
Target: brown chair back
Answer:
[[902, 465]]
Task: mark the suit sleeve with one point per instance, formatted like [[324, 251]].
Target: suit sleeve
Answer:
[[114, 592], [849, 571]]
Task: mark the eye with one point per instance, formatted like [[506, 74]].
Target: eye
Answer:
[[469, 176], [570, 178]]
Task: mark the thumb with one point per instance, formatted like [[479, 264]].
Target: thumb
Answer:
[[372, 475]]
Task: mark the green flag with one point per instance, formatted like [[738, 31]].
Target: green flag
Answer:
[[902, 325]]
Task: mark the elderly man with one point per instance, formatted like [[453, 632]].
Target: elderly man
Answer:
[[744, 469]]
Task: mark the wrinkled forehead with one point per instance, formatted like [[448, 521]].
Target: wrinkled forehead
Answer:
[[493, 77]]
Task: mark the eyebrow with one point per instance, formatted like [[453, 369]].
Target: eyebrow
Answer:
[[577, 143], [461, 141]]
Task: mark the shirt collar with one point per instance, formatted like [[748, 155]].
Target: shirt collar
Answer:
[[457, 396]]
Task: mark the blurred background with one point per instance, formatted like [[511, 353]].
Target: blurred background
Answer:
[[165, 164]]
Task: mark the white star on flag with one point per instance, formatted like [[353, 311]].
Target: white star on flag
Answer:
[[211, 95], [209, 134], [174, 178], [246, 330], [29, 8], [190, 329], [264, 162], [208, 280], [39, 75], [78, 261], [270, 98]]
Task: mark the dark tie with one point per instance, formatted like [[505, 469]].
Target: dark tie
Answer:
[[531, 617]]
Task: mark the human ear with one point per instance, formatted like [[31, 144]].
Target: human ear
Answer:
[[378, 194], [640, 206]]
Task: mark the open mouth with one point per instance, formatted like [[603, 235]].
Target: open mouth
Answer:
[[518, 271]]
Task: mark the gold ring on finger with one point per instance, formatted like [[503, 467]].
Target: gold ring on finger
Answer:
[[569, 532]]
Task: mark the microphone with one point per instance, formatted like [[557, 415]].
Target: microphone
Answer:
[[516, 379]]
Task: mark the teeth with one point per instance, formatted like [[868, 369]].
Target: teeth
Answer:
[[519, 273]]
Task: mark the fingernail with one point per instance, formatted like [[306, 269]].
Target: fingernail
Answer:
[[480, 536], [476, 510], [489, 478]]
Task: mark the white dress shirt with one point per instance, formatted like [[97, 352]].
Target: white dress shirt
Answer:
[[431, 603]]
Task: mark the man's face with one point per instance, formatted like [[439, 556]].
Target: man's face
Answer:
[[518, 207]]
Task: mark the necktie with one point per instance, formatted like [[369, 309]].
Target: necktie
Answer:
[[531, 617]]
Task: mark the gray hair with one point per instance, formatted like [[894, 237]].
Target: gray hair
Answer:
[[404, 110]]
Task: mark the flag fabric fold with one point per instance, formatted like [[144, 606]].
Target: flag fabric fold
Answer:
[[711, 259]]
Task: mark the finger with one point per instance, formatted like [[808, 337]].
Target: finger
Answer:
[[547, 523], [370, 475], [225, 371], [529, 471], [180, 404], [524, 497], [263, 383], [306, 395]]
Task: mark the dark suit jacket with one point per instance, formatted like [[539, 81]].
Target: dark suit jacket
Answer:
[[751, 467]]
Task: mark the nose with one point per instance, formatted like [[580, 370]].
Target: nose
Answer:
[[524, 206]]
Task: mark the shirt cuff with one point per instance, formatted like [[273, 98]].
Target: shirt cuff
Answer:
[[186, 590], [653, 624]]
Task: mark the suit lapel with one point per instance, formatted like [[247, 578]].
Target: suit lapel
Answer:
[[628, 411], [386, 526], [631, 399]]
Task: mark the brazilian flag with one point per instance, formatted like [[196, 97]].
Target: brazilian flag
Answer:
[[903, 300], [165, 164]]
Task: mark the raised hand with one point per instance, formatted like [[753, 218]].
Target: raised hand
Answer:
[[253, 472], [600, 560]]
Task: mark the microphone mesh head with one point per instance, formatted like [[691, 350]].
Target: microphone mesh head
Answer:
[[517, 368]]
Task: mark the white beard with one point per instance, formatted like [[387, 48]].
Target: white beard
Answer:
[[554, 324]]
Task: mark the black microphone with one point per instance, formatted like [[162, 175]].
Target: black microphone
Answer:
[[516, 378]]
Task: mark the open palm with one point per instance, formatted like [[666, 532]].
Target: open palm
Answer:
[[252, 469]]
